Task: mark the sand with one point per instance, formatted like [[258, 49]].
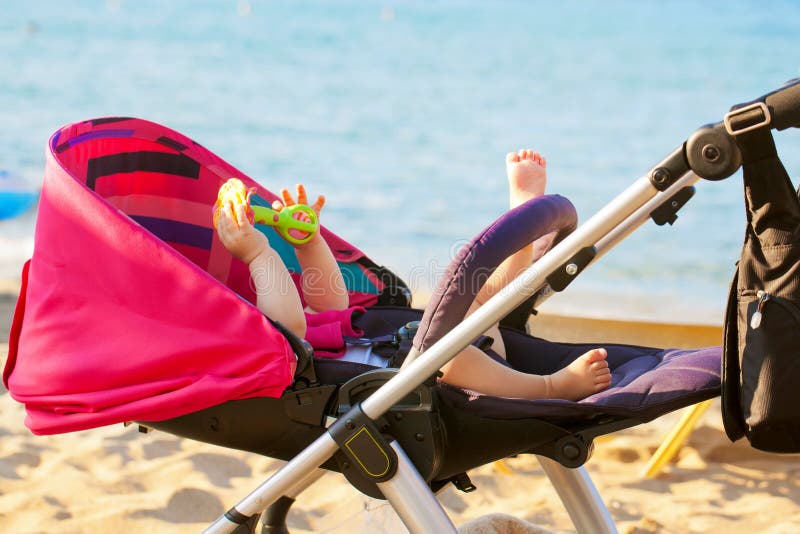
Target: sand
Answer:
[[116, 479]]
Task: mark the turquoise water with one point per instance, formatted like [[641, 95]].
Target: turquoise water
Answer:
[[402, 113]]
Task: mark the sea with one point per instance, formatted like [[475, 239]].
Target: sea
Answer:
[[402, 112]]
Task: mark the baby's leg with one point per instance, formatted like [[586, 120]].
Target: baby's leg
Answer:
[[472, 369], [527, 177]]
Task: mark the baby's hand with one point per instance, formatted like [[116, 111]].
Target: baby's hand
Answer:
[[302, 198], [237, 234]]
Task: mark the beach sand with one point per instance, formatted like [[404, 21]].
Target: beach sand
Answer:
[[116, 479]]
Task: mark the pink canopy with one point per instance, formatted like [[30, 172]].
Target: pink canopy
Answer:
[[131, 308]]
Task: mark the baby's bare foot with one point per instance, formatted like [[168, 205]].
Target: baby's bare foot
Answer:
[[527, 176], [588, 374]]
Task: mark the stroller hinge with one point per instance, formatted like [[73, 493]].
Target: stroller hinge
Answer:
[[364, 446], [712, 153], [564, 275], [671, 168]]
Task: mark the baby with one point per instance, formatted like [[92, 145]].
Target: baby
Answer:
[[323, 289]]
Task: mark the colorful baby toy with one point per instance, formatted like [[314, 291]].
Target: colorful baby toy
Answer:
[[297, 223]]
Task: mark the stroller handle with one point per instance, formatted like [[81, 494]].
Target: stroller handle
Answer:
[[783, 105], [712, 151], [476, 261]]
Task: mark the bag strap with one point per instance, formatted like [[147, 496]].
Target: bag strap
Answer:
[[766, 181], [773, 214]]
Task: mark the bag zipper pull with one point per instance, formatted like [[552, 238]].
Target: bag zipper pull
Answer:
[[755, 320]]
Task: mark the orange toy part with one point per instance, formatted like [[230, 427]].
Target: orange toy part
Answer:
[[232, 193]]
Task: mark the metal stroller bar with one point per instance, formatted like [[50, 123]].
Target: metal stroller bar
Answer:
[[273, 520], [637, 219], [281, 483], [579, 495], [641, 215], [520, 289], [412, 499], [528, 282]]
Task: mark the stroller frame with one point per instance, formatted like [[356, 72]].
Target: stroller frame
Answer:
[[710, 153], [410, 495]]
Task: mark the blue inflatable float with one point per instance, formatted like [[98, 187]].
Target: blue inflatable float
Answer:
[[16, 196]]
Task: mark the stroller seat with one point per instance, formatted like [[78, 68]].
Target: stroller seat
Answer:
[[153, 321]]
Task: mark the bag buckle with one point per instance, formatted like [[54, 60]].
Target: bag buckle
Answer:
[[737, 120]]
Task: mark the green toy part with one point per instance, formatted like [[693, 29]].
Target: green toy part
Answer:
[[297, 223]]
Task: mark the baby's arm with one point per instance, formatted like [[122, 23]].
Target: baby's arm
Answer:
[[276, 294], [322, 283]]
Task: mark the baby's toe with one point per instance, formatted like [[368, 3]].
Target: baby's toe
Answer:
[[603, 377], [596, 355]]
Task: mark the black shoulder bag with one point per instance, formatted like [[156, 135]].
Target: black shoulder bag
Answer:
[[761, 355]]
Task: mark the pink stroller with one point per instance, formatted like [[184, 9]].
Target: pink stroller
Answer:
[[132, 311]]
